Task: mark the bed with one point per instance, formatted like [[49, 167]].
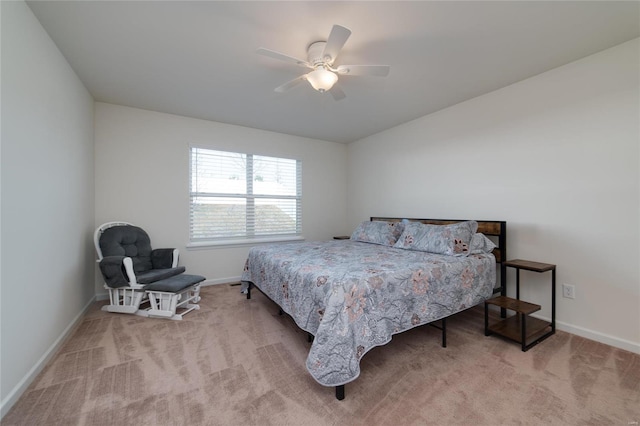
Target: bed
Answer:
[[392, 275]]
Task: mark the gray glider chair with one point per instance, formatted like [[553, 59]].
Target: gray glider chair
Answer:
[[140, 280]]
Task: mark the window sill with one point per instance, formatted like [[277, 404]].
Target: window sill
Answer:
[[240, 243]]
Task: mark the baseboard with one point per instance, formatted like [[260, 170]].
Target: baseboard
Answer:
[[22, 386], [102, 296], [616, 342], [228, 280]]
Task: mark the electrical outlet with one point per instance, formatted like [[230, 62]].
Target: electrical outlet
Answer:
[[569, 291]]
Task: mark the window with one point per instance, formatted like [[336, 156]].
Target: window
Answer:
[[236, 196]]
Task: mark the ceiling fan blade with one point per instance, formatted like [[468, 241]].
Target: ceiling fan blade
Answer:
[[281, 56], [337, 93], [337, 38], [374, 70], [290, 84]]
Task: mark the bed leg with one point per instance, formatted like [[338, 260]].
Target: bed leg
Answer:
[[309, 337], [486, 319], [249, 290], [444, 332], [340, 392]]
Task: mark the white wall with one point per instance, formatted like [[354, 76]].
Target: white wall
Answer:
[[47, 199], [142, 176], [557, 157]]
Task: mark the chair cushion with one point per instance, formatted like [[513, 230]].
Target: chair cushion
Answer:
[[162, 258], [113, 272], [130, 241], [154, 275], [175, 284]]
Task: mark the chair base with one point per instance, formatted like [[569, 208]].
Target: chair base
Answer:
[[162, 304], [125, 300]]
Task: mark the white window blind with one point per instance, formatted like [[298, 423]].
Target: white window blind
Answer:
[[243, 196]]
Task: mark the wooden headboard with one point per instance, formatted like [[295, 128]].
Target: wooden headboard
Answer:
[[494, 228]]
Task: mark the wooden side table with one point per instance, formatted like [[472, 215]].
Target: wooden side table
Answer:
[[528, 331]]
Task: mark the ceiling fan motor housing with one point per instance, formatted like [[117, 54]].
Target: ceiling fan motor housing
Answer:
[[314, 54]]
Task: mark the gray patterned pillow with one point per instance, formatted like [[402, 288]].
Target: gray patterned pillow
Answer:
[[481, 244], [378, 232], [452, 240]]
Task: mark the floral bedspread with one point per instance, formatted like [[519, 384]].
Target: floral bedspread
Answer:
[[353, 296]]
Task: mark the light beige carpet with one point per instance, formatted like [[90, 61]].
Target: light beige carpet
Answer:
[[237, 362]]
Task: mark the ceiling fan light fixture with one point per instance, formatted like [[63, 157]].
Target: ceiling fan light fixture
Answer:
[[322, 79]]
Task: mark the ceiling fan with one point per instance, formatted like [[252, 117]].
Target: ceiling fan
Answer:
[[320, 58]]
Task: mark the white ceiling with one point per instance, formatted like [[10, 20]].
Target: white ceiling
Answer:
[[198, 58]]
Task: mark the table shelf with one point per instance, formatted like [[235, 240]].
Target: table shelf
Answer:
[[521, 328]]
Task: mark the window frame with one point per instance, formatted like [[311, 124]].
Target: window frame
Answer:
[[249, 198]]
